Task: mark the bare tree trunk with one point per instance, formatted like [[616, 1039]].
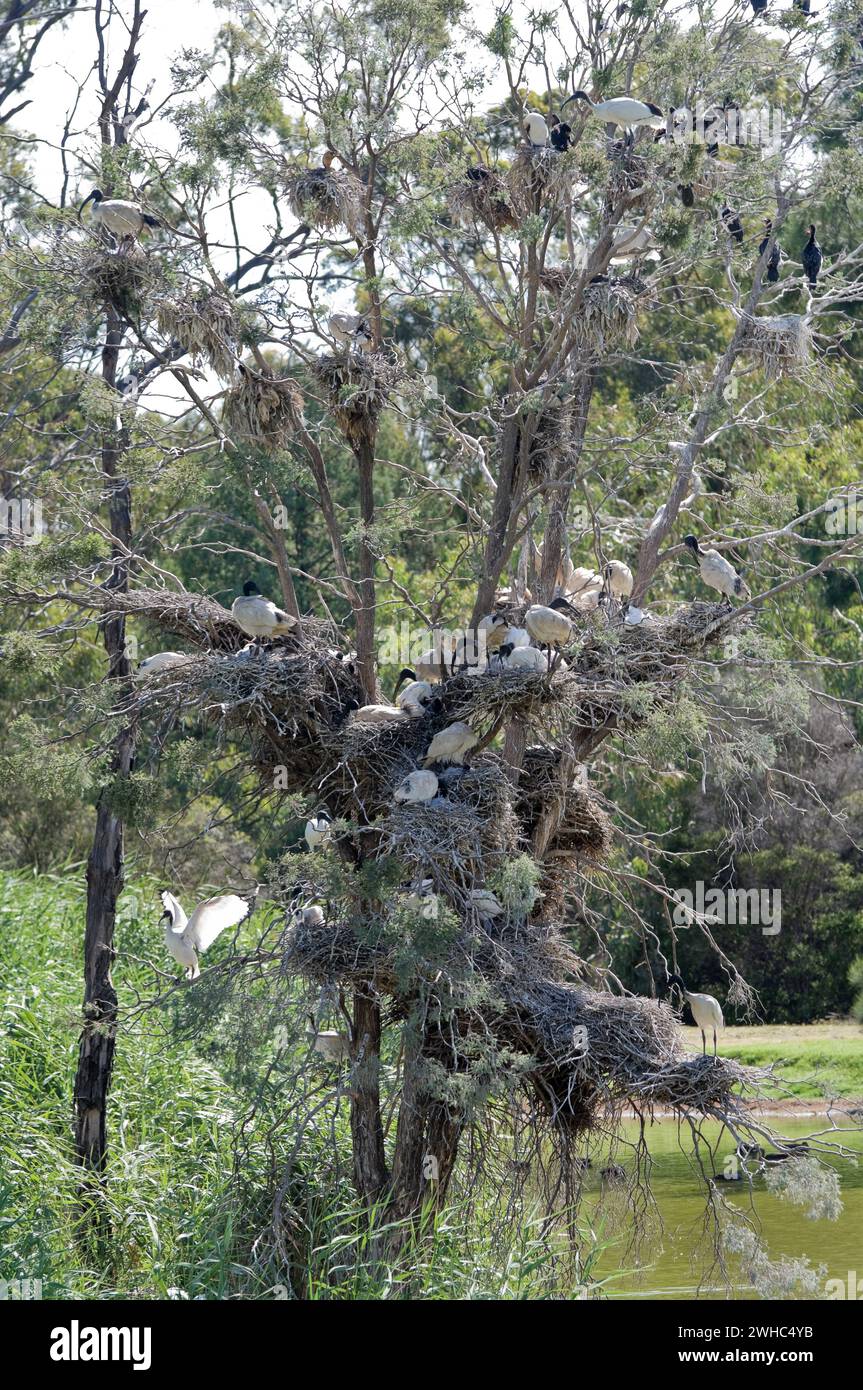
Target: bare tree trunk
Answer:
[[370, 1168]]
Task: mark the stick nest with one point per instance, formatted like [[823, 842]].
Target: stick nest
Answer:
[[539, 176], [484, 200], [609, 314], [358, 386], [326, 198], [782, 346], [263, 410], [204, 323]]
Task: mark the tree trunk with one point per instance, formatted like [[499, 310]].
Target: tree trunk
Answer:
[[367, 1132]]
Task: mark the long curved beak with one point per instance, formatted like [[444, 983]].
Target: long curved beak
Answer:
[[89, 198], [406, 675]]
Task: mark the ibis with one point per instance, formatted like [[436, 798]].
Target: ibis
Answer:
[[529, 659], [705, 1011], [186, 936], [416, 787], [318, 832], [415, 697], [162, 661], [258, 617], [625, 111], [328, 1042], [379, 714], [536, 130], [353, 331], [451, 745], [632, 241], [618, 580], [118, 216], [550, 626], [717, 572]]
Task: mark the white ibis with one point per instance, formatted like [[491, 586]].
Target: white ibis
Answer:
[[536, 130], [529, 659], [451, 745], [625, 111], [517, 637], [415, 697], [258, 617], [378, 714], [717, 572], [618, 580], [491, 630], [328, 1042], [632, 241], [550, 626], [416, 787], [705, 1011], [158, 663], [117, 215], [352, 330], [186, 936], [318, 832]]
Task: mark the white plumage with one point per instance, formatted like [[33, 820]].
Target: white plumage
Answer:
[[417, 786], [548, 625], [427, 666], [517, 637], [118, 216], [414, 698], [258, 617], [492, 631], [529, 659], [625, 111], [312, 916], [618, 579], [705, 1010], [536, 129], [717, 572], [353, 330], [632, 241], [318, 832], [328, 1042], [186, 936], [451, 744], [378, 714], [159, 662]]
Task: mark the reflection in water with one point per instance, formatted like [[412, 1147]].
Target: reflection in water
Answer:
[[674, 1259]]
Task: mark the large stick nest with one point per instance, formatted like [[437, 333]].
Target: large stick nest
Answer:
[[782, 346], [539, 176], [609, 314], [124, 277], [326, 198], [484, 200], [204, 323], [358, 386], [263, 410]]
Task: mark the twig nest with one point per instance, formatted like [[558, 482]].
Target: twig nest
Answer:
[[262, 409], [122, 277], [555, 279], [782, 346], [358, 385], [325, 198], [609, 314], [627, 175], [204, 323], [481, 195], [543, 174]]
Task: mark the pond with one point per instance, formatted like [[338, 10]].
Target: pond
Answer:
[[675, 1259]]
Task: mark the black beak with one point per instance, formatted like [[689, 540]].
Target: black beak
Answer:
[[406, 675], [88, 199]]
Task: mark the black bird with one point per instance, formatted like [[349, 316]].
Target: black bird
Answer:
[[733, 225], [560, 134], [758, 6], [804, 7], [687, 194], [775, 254], [812, 257], [478, 174]]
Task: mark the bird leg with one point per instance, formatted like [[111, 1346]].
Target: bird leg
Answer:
[[703, 1043]]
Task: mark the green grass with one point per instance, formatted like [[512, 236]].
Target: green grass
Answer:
[[816, 1060]]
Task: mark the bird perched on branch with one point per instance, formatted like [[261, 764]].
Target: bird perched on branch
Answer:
[[687, 194], [352, 330], [733, 225], [451, 745], [775, 255], [417, 786], [718, 572], [118, 216], [625, 111], [705, 1011], [258, 617], [318, 832], [186, 936], [536, 130], [812, 257], [328, 1042], [325, 166], [159, 662]]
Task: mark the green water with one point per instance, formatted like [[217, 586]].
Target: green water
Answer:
[[674, 1260]]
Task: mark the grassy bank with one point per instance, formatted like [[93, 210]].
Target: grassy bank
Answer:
[[815, 1059]]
